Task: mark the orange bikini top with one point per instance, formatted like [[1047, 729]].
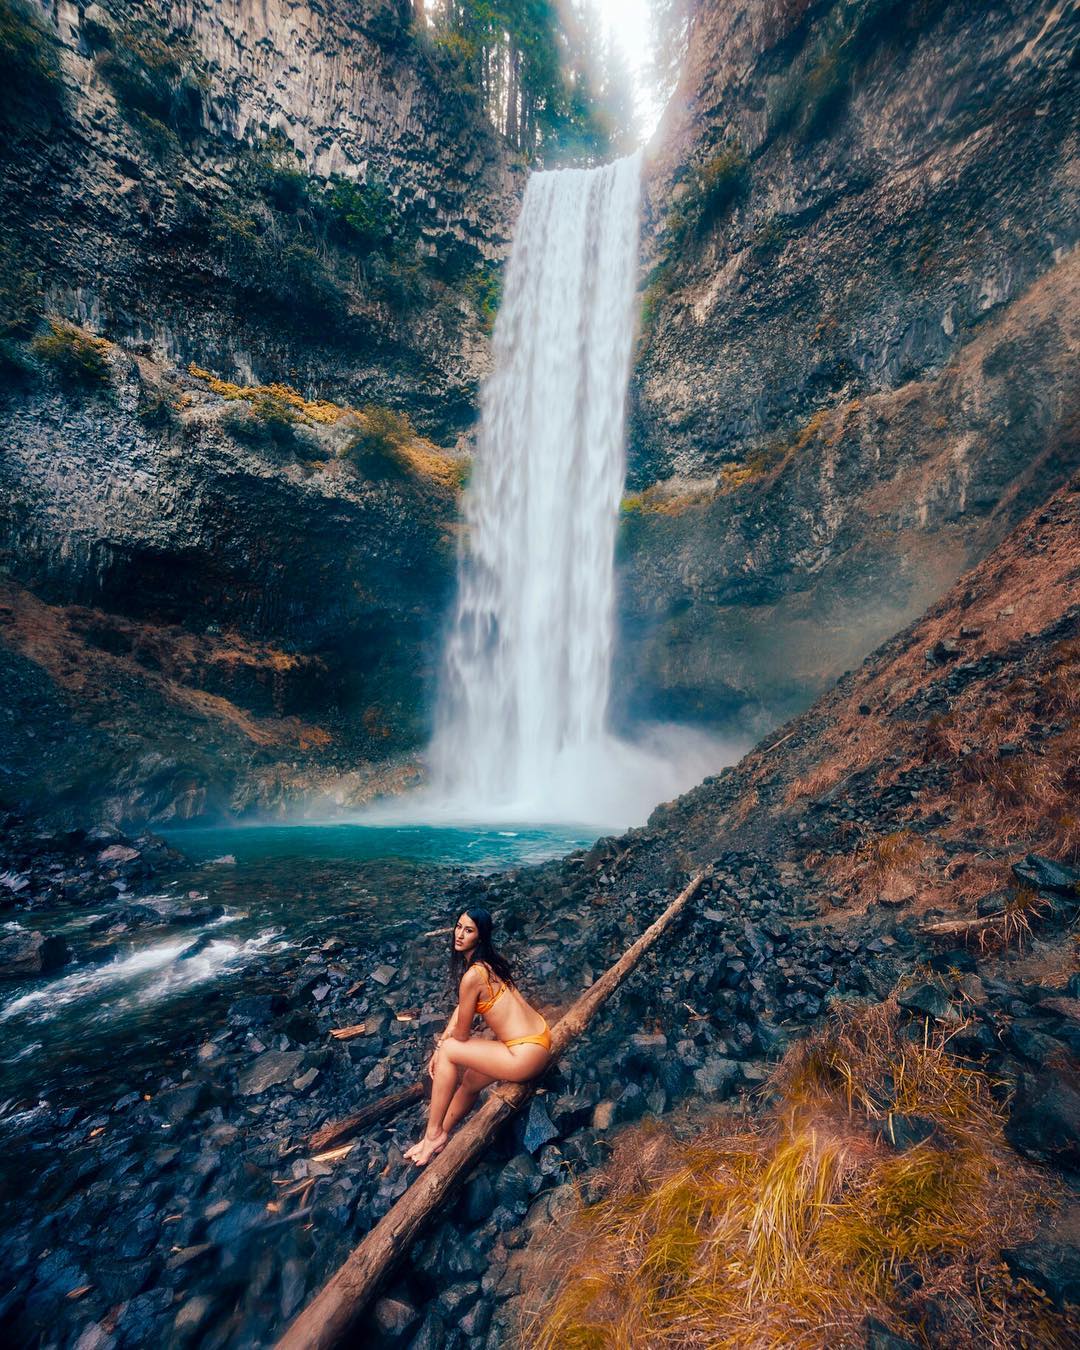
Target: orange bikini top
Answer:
[[484, 1004]]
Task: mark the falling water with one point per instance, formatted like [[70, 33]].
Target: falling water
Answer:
[[522, 723]]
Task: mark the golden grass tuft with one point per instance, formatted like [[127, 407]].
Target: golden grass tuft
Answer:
[[314, 410], [791, 1227]]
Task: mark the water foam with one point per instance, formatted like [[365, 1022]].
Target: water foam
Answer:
[[143, 977]]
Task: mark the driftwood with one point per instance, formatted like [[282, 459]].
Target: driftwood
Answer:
[[954, 927], [348, 1033], [326, 1321], [339, 1130]]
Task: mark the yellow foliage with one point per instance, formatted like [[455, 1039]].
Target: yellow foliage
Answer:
[[315, 410], [392, 431]]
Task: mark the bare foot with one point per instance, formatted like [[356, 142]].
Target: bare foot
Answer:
[[422, 1152]]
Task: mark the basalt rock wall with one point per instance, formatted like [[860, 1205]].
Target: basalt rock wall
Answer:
[[857, 358], [231, 234]]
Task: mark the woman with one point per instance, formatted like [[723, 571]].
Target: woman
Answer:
[[461, 1064]]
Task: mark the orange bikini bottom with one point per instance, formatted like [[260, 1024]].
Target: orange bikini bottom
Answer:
[[544, 1039]]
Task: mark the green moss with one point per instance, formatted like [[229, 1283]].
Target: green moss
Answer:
[[30, 79], [78, 357]]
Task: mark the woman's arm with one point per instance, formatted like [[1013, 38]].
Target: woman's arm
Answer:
[[461, 1019]]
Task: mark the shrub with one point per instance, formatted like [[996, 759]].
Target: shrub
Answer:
[[77, 356], [712, 188], [277, 176], [483, 290], [264, 420], [376, 447], [362, 215], [30, 78], [160, 140]]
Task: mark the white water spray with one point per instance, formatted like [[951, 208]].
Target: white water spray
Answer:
[[522, 723]]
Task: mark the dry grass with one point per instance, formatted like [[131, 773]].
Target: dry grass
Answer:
[[887, 864], [791, 1228]]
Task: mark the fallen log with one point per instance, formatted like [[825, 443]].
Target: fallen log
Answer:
[[339, 1130], [326, 1320]]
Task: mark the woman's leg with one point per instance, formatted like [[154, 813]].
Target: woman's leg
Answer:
[[496, 1060], [462, 1101], [444, 1082], [493, 1060]]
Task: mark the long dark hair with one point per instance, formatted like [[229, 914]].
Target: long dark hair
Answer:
[[483, 951]]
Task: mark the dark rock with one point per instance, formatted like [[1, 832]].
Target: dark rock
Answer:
[[716, 1079], [877, 1336], [1029, 1040], [930, 1000], [31, 953], [175, 1104], [993, 904], [1043, 874], [518, 1182], [539, 1129], [457, 1299], [394, 1317], [1045, 1120], [432, 1333], [477, 1320], [479, 1199], [571, 1110], [904, 1132], [1053, 1267], [271, 1067], [257, 1009]]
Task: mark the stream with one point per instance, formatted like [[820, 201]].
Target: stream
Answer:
[[132, 999]]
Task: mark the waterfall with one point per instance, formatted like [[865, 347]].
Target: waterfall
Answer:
[[521, 725]]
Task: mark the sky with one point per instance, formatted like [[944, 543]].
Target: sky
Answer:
[[628, 22]]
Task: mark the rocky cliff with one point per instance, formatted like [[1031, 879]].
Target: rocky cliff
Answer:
[[251, 255], [858, 343]]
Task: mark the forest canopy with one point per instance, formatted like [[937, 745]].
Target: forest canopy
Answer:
[[542, 72]]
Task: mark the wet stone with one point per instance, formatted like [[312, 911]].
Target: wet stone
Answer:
[[539, 1129], [394, 1317], [271, 1067]]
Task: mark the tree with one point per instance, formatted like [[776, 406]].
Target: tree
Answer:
[[540, 72]]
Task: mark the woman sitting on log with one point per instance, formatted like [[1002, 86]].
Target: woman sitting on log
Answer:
[[463, 1064]]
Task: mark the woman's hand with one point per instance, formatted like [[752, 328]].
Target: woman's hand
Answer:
[[431, 1061]]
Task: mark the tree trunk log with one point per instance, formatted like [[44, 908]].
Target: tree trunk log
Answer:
[[338, 1130], [325, 1322]]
